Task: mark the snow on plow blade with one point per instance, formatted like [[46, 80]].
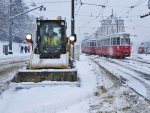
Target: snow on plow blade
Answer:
[[50, 77]]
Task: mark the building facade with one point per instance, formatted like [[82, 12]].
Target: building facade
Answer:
[[109, 26]]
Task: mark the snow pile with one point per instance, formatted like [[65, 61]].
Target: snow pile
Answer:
[[120, 100], [52, 99]]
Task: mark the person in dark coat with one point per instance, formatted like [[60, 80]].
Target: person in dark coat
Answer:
[[25, 48], [21, 50]]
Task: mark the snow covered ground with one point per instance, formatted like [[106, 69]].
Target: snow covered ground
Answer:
[[97, 94]]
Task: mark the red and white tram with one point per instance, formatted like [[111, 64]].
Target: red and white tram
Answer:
[[114, 45], [88, 46]]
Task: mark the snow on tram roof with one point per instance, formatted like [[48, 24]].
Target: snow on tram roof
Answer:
[[89, 39], [103, 37], [115, 34], [92, 39]]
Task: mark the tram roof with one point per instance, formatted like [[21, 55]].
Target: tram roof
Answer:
[[116, 34]]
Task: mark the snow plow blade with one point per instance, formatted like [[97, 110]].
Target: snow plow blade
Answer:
[[49, 77]]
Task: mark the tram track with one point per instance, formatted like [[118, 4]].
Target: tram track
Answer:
[[122, 79], [144, 73], [133, 61]]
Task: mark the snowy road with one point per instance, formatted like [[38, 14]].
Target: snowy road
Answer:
[[134, 73], [11, 60], [8, 68], [97, 94]]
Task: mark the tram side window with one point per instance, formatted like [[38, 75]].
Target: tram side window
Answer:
[[102, 42], [118, 40], [111, 41], [92, 44], [114, 41], [107, 41], [99, 43]]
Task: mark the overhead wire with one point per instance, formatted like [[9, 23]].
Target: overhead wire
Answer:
[[97, 15], [78, 8], [40, 11], [101, 12], [133, 21], [137, 4], [131, 7], [137, 23], [49, 2]]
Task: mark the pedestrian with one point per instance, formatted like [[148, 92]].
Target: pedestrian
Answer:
[[29, 49], [21, 50], [25, 49]]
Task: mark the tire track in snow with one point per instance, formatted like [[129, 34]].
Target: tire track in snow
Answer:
[[124, 79]]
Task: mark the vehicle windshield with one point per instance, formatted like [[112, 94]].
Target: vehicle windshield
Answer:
[[50, 34], [125, 41]]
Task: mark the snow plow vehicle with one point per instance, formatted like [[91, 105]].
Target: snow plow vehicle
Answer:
[[50, 61]]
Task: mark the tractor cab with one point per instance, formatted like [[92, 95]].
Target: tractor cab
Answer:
[[51, 38]]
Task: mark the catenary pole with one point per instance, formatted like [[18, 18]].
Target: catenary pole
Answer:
[[10, 27], [72, 22]]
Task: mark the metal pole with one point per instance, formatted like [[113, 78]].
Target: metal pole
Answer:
[[117, 26], [10, 26], [72, 22]]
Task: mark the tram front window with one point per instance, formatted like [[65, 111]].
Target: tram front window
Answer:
[[125, 41], [50, 38]]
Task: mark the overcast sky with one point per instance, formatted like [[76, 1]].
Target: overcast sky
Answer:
[[89, 14]]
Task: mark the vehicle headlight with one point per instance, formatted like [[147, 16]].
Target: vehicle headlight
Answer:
[[28, 37], [72, 38]]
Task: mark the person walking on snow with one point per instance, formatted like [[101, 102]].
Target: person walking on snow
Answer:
[[29, 49], [21, 50], [25, 48]]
